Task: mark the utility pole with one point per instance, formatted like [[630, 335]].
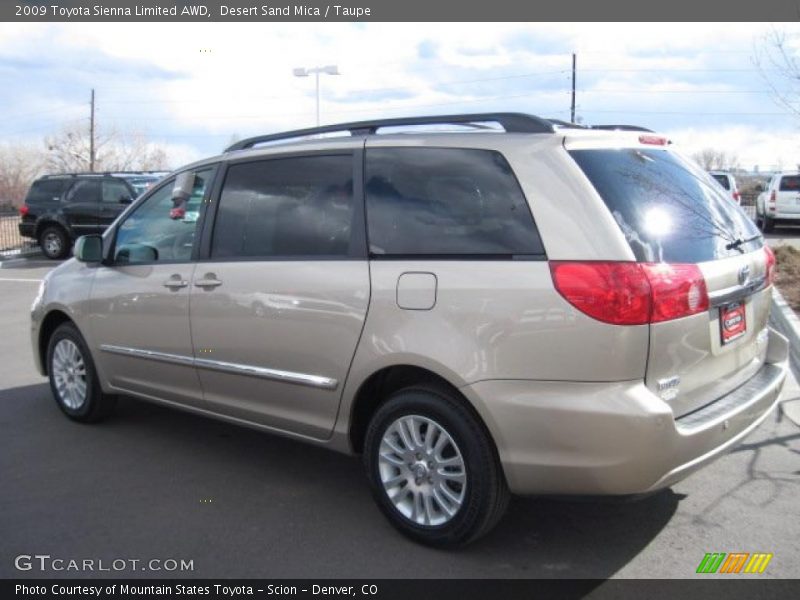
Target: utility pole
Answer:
[[572, 108], [91, 135]]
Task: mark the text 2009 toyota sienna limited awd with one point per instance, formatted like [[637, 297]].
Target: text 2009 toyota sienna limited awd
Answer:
[[517, 307]]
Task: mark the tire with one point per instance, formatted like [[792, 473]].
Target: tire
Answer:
[[767, 224], [438, 520], [54, 242], [73, 377]]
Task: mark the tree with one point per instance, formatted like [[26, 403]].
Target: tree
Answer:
[[69, 150], [712, 159], [776, 57], [20, 164]]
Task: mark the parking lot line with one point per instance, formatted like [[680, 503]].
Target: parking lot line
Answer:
[[18, 279]]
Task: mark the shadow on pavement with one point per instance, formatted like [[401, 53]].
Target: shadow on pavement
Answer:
[[154, 482]]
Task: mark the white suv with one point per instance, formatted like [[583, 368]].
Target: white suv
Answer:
[[780, 201]]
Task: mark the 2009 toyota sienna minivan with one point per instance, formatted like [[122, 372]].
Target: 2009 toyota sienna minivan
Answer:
[[489, 305]]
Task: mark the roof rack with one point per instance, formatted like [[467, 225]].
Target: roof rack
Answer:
[[511, 122], [621, 128], [104, 173]]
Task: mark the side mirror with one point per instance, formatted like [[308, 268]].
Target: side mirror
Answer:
[[89, 249], [182, 189]]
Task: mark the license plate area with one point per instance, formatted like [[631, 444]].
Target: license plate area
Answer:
[[732, 322]]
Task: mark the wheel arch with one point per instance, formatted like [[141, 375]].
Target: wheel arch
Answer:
[[381, 384], [54, 319]]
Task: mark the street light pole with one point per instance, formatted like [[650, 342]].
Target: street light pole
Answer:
[[303, 72], [316, 74]]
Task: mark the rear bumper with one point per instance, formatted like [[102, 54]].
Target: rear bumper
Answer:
[[618, 437], [784, 216], [27, 229]]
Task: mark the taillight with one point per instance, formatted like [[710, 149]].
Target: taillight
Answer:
[[773, 197], [23, 210], [655, 140], [627, 293], [737, 196], [677, 290], [771, 265]]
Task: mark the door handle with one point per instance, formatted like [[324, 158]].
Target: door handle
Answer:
[[176, 282], [209, 281]]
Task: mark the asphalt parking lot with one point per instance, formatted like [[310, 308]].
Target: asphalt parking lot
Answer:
[[153, 483]]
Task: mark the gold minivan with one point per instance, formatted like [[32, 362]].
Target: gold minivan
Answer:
[[476, 304]]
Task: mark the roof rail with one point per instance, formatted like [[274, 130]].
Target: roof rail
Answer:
[[561, 124], [511, 122], [621, 128], [104, 173]]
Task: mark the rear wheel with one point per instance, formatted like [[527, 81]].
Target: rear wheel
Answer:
[[767, 225], [433, 469], [73, 377], [54, 242]]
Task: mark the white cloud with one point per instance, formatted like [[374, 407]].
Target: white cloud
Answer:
[[658, 74], [767, 149]]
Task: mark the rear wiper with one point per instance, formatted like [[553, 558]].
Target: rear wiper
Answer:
[[740, 242]]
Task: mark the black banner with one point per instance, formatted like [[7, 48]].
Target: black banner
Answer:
[[396, 11], [714, 587]]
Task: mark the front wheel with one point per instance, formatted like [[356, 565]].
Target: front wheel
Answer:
[[73, 377], [433, 469]]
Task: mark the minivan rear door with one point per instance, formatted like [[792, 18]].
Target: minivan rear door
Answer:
[[672, 212]]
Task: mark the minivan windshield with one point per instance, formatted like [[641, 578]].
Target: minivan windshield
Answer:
[[668, 208]]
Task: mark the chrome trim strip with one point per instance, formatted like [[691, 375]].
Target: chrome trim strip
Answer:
[[736, 292], [286, 376], [176, 359], [318, 381]]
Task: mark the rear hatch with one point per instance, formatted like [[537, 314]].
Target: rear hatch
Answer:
[[787, 195], [43, 195], [680, 224]]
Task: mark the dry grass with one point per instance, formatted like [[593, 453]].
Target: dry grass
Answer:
[[9, 233], [788, 278]]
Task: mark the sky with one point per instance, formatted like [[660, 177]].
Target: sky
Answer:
[[193, 87]]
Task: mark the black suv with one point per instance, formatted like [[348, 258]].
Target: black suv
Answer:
[[60, 208]]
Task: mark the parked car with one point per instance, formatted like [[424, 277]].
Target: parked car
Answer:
[[143, 181], [538, 311], [779, 202], [60, 208], [728, 182]]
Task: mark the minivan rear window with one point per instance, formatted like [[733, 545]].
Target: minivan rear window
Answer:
[[666, 206], [790, 183]]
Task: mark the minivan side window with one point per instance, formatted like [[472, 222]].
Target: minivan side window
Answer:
[[446, 202], [154, 232], [286, 207]]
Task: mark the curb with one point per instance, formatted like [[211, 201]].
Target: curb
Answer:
[[13, 257], [786, 318]]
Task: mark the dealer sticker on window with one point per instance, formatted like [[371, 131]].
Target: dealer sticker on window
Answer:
[[732, 322]]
